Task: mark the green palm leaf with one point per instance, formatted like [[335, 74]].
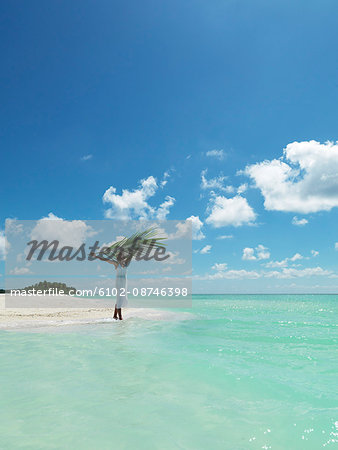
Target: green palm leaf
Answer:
[[139, 243]]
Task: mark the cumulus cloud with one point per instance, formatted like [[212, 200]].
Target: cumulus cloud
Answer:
[[299, 222], [262, 252], [284, 262], [219, 183], [249, 254], [134, 204], [164, 181], [20, 271], [229, 189], [196, 225], [238, 274], [233, 211], [298, 273], [336, 246], [220, 266], [230, 274], [174, 258], [258, 253], [285, 273], [86, 157], [2, 245], [190, 227], [225, 236], [314, 253], [13, 227], [164, 208], [212, 183], [303, 180], [242, 188], [219, 154], [67, 232], [205, 250], [296, 257], [238, 190]]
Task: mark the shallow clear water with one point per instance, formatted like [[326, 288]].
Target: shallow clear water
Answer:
[[247, 372]]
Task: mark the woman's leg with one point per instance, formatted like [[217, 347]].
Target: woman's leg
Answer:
[[119, 310], [115, 313]]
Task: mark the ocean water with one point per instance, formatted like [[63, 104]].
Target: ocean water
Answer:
[[244, 372]]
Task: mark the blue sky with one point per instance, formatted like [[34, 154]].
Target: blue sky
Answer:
[[106, 94]]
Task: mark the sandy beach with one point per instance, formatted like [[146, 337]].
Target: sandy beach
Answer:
[[17, 318]]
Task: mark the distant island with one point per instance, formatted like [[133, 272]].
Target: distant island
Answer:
[[55, 286]]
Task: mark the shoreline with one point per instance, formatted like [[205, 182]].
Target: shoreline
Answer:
[[22, 318]]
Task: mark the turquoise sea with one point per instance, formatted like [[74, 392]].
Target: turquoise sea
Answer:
[[244, 372]]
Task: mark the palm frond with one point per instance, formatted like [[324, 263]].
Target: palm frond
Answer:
[[139, 243]]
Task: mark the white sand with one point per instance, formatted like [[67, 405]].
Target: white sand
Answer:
[[13, 318]]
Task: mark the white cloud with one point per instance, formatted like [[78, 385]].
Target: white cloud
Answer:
[[240, 274], [20, 257], [212, 183], [299, 222], [229, 189], [242, 188], [205, 250], [219, 183], [86, 157], [225, 236], [2, 245], [163, 209], [220, 266], [13, 227], [190, 227], [296, 257], [219, 154], [67, 232], [298, 273], [166, 175], [20, 271], [260, 252], [239, 190], [134, 204], [285, 273], [249, 254], [284, 262], [174, 258], [196, 225], [230, 274], [230, 211], [314, 253], [303, 180]]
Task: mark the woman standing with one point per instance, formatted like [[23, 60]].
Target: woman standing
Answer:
[[120, 284], [121, 289], [120, 255]]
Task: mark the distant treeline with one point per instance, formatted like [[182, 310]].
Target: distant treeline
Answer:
[[45, 285]]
